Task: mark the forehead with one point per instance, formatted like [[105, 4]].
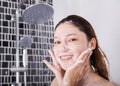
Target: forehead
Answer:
[[65, 29]]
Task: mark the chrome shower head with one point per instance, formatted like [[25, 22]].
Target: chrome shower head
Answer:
[[25, 42], [38, 13]]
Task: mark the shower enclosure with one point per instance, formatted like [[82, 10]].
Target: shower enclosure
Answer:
[[36, 74]]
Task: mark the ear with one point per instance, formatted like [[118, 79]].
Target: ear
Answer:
[[92, 43]]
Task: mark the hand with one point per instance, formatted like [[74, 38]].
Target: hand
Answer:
[[78, 70], [57, 70], [73, 74]]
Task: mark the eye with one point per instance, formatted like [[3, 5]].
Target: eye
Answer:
[[57, 42], [73, 39]]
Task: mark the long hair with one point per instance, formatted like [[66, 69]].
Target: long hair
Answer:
[[98, 58]]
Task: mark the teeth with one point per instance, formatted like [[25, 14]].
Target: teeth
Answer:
[[66, 57]]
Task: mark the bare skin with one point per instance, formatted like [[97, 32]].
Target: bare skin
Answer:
[[71, 56], [70, 78]]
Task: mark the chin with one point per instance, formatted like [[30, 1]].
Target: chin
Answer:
[[65, 67]]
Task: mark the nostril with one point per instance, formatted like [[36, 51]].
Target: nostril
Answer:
[[64, 48]]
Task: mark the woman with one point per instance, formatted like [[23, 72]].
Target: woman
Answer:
[[77, 57]]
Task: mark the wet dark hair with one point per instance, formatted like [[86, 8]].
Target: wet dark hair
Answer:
[[98, 58]]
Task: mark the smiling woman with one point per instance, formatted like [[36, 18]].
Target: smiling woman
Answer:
[[77, 57], [69, 42]]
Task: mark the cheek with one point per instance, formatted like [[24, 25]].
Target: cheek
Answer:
[[77, 49], [79, 45], [56, 50]]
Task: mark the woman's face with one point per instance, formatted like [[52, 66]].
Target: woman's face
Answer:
[[69, 42]]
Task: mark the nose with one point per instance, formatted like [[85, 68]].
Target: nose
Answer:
[[64, 47]]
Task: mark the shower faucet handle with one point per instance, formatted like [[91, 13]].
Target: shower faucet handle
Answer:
[[16, 84], [19, 69]]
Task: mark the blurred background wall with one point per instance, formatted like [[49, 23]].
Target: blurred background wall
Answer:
[[104, 15], [37, 74]]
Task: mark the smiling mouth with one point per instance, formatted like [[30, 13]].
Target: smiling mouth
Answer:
[[66, 57]]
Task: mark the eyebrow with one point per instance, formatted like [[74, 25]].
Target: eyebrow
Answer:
[[66, 35]]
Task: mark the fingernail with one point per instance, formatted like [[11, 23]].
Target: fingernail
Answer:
[[48, 50], [43, 61], [89, 49], [80, 61]]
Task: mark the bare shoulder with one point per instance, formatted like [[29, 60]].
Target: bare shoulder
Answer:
[[110, 83], [106, 83], [113, 84], [99, 81]]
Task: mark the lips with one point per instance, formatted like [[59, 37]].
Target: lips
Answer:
[[66, 57]]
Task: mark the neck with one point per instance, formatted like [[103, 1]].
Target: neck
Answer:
[[87, 77]]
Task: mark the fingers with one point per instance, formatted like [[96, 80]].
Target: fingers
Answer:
[[51, 67], [54, 59], [79, 68], [55, 68], [82, 59], [52, 56], [84, 54]]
